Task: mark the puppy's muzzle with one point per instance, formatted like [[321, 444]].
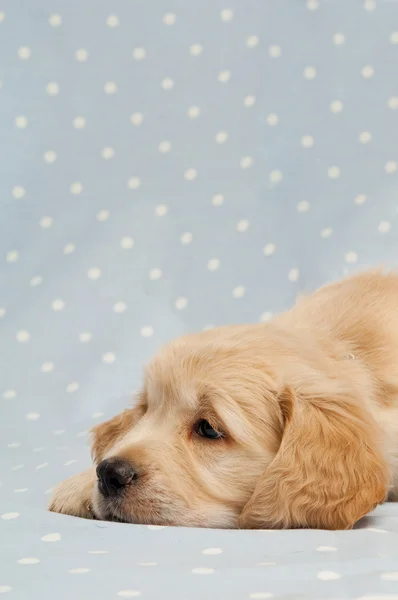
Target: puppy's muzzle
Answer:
[[114, 476]]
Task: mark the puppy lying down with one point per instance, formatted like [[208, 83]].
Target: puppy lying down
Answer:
[[292, 423]]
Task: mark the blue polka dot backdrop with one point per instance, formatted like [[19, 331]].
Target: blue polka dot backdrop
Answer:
[[166, 167]]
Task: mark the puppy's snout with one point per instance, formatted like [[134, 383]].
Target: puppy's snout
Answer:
[[114, 474]]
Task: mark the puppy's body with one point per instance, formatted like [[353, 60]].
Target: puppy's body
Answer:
[[307, 411]]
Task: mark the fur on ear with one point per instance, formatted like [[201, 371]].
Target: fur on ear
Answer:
[[329, 470], [106, 434]]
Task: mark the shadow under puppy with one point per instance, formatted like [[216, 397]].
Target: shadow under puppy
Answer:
[[292, 423]]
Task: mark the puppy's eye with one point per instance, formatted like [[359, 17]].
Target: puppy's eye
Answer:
[[204, 429]]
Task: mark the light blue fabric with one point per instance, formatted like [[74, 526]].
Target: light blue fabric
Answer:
[[165, 167]]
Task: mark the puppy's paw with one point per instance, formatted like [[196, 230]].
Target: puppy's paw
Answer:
[[73, 496]]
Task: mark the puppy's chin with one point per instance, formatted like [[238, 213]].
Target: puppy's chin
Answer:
[[106, 510]]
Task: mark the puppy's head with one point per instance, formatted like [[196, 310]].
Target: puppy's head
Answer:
[[218, 439]]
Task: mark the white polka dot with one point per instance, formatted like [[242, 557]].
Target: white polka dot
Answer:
[[51, 537], [69, 248], [226, 14], [293, 274], [29, 561], [161, 210], [252, 41], [46, 222], [94, 273], [327, 232], [328, 575], [96, 415], [272, 119], [12, 256], [21, 122], [196, 49], [246, 162], [32, 416], [303, 206], [119, 307], [212, 551], [2, 311], [47, 367], [392, 576], [393, 102], [10, 515], [203, 571], [20, 490], [110, 87], [181, 303], [274, 51], [309, 73], [58, 431], [333, 172], [351, 257], [217, 200], [266, 316], [79, 122], [242, 225], [275, 176], [167, 83], [108, 153], [190, 174], [384, 226], [14, 445], [17, 467], [136, 119], [74, 460], [85, 336], [365, 137], [367, 72], [338, 39], [103, 215], [5, 588], [24, 52], [249, 101], [23, 336], [312, 4], [9, 394], [81, 55], [129, 593], [369, 5], [164, 147], [98, 552], [213, 264], [108, 358], [155, 274], [76, 188], [239, 291], [376, 530], [307, 141], [78, 571], [52, 88], [260, 595], [147, 564], [42, 466], [186, 238], [269, 249], [134, 183], [360, 199], [224, 76], [127, 242], [50, 156], [139, 53], [39, 449], [112, 21], [55, 20], [326, 549], [147, 331], [169, 19], [71, 388], [58, 305], [390, 166], [394, 37], [221, 137], [336, 106]]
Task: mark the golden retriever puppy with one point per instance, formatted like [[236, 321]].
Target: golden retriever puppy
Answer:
[[292, 423]]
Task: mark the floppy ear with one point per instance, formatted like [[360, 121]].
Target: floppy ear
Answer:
[[329, 470], [106, 434]]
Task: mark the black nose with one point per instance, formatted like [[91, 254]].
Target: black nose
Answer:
[[114, 474]]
